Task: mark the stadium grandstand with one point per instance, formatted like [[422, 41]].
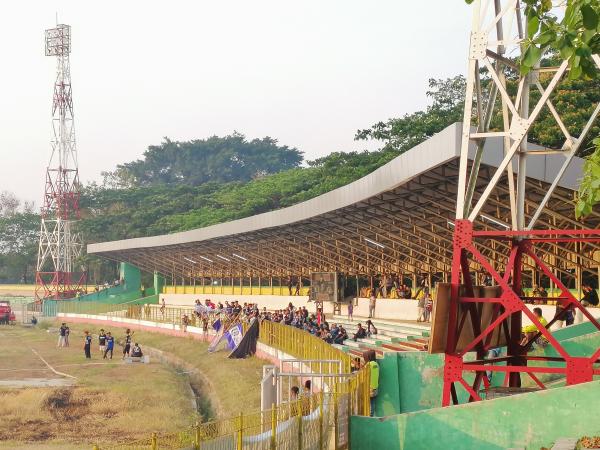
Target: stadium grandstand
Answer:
[[396, 220]]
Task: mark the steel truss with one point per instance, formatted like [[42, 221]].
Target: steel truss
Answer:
[[496, 43], [59, 245]]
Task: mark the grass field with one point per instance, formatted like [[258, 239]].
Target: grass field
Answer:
[[110, 401]]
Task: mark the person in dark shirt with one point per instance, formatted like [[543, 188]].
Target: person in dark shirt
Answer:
[[127, 346], [87, 344], [102, 341], [341, 336], [110, 345], [590, 296], [62, 331], [361, 333], [67, 333]]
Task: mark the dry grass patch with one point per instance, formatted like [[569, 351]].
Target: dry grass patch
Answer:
[[234, 382], [112, 402]]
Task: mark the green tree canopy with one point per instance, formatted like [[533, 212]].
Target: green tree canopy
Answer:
[[216, 159]]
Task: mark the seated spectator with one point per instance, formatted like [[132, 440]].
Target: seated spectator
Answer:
[[136, 351], [334, 331], [530, 331], [341, 336], [361, 333], [371, 328]]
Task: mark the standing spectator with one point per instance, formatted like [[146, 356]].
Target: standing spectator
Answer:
[[163, 308], [298, 286], [110, 345], [205, 324], [350, 310], [543, 294], [198, 307], [389, 283], [102, 341], [185, 321], [61, 335], [127, 346], [421, 308], [320, 316], [372, 302], [87, 345], [428, 306], [371, 359]]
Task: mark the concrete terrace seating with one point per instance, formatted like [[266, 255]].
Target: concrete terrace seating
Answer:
[[391, 336]]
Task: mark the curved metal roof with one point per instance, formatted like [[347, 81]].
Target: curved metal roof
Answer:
[[396, 219]]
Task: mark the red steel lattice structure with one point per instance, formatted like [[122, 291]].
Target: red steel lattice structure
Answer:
[[498, 30], [60, 245]]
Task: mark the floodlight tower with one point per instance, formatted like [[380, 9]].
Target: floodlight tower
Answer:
[[60, 245], [478, 322]]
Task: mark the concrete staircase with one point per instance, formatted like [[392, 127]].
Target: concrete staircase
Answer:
[[391, 336]]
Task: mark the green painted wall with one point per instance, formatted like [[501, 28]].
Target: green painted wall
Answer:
[[159, 282], [528, 421], [412, 381], [129, 289], [130, 277]]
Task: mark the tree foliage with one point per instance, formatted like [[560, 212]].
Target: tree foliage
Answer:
[[216, 159], [19, 228]]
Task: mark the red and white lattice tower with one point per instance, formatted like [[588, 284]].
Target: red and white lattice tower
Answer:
[[498, 35], [60, 246]]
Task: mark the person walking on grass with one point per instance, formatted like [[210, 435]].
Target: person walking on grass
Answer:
[[110, 345], [127, 346], [67, 332], [87, 345]]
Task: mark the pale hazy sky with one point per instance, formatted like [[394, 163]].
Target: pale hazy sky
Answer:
[[308, 73]]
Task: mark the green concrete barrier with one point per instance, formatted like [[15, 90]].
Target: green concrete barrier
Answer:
[[527, 421], [413, 381]]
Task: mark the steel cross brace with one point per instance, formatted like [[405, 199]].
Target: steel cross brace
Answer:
[[506, 318]]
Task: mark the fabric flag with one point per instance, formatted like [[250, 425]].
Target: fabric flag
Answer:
[[247, 345], [234, 336], [217, 324]]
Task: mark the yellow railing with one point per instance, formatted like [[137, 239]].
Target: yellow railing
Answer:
[[233, 290]]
